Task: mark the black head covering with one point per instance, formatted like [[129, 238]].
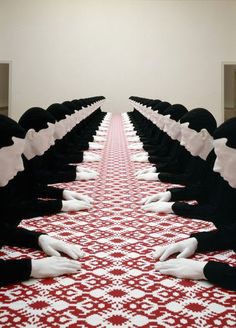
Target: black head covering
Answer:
[[8, 129], [36, 118], [176, 111], [58, 111], [75, 103], [200, 118], [68, 104], [227, 130], [162, 106], [155, 103]]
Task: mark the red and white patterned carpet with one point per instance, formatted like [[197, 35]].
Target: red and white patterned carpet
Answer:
[[117, 287]]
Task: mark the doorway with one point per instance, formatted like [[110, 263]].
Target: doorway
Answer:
[[229, 93], [5, 69]]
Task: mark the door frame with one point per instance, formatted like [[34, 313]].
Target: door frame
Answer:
[[223, 64], [9, 62]]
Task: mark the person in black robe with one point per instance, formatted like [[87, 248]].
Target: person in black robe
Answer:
[[219, 273], [21, 197], [215, 194], [12, 144], [48, 166], [171, 124], [200, 125]]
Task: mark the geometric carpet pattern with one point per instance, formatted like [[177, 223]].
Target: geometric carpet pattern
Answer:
[[117, 286]]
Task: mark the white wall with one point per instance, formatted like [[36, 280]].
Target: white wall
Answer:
[[65, 49]]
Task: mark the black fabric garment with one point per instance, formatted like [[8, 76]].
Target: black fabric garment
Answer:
[[221, 274], [47, 168], [161, 149], [215, 198], [192, 172], [161, 146], [169, 163], [192, 168], [218, 273], [21, 199], [49, 171], [176, 163], [12, 271]]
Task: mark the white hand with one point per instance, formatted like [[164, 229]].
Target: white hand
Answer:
[[161, 196], [136, 146], [133, 139], [53, 247], [131, 134], [185, 248], [159, 207], [140, 158], [149, 177], [84, 169], [100, 133], [85, 176], [74, 205], [182, 268], [104, 124], [142, 153], [98, 139], [144, 171], [70, 195], [53, 267], [103, 128], [89, 157], [94, 145]]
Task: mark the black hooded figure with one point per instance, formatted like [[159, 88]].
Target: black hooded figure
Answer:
[[223, 238], [22, 197], [193, 168], [84, 131], [68, 148], [218, 273], [215, 197], [174, 152], [12, 271], [48, 167], [140, 122], [150, 135], [162, 149]]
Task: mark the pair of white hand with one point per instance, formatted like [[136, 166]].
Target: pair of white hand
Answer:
[[86, 176], [132, 134], [149, 174], [75, 201], [98, 139], [144, 171], [128, 125], [132, 138], [95, 146], [140, 157], [56, 265], [158, 203], [90, 157], [128, 128], [81, 169], [180, 267], [136, 146], [101, 133]]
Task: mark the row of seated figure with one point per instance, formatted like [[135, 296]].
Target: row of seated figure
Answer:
[[39, 150], [186, 148]]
